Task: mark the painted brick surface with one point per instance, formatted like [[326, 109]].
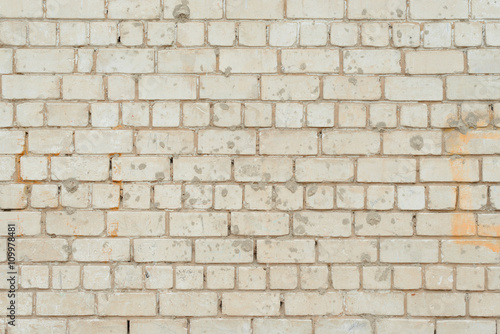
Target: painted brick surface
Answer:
[[251, 166]]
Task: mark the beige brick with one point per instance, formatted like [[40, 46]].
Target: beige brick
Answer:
[[470, 251], [103, 141], [392, 170], [126, 304], [69, 303], [411, 326], [162, 250], [80, 326], [483, 61], [124, 223], [188, 303], [198, 9], [101, 250], [202, 169], [325, 170], [347, 251], [376, 303], [259, 223], [312, 303], [13, 33], [204, 326], [468, 326], [472, 87], [436, 304], [378, 9], [257, 10], [452, 224], [250, 303], [57, 326], [276, 326], [413, 89], [83, 168], [374, 223], [482, 304], [164, 142], [473, 142], [310, 60], [409, 251], [298, 251], [167, 87], [243, 87], [412, 142], [248, 60], [448, 9], [125, 61], [184, 224], [224, 251], [129, 9], [352, 88], [449, 170], [42, 250], [482, 9], [435, 62], [325, 326], [290, 87], [158, 326], [293, 142], [186, 61], [140, 169], [227, 142], [83, 87], [350, 142], [263, 169], [21, 9], [45, 61], [76, 224], [372, 61], [70, 9], [27, 222], [17, 87], [324, 224]]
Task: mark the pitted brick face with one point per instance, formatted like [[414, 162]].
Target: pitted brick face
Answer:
[[250, 166]]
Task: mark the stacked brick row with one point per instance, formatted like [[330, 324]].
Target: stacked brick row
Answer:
[[251, 166]]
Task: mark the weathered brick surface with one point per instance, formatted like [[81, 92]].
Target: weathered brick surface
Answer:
[[251, 166]]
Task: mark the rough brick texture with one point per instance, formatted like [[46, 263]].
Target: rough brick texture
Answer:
[[251, 166]]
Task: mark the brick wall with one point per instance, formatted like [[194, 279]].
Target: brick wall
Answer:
[[251, 166]]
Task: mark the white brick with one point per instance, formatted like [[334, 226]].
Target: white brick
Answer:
[[325, 170], [124, 223], [241, 87], [202, 169], [162, 87], [70, 9], [191, 224], [140, 168], [259, 9], [447, 9], [129, 9], [162, 250], [352, 88], [290, 88], [413, 89], [45, 60], [372, 61], [378, 9], [30, 87], [250, 303], [76, 224], [125, 61], [101, 250], [188, 303]]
